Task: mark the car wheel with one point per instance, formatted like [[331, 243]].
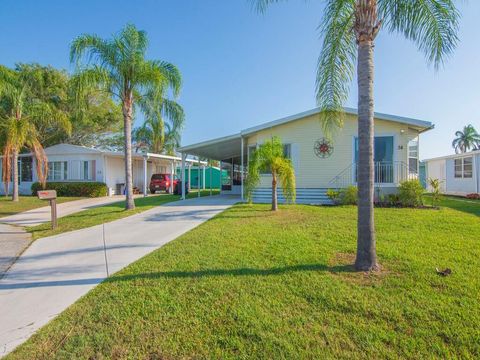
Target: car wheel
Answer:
[[152, 191]]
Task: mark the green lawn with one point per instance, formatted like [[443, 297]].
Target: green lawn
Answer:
[[253, 284], [106, 213], [8, 207]]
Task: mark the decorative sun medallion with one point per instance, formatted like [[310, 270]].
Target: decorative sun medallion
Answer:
[[323, 148]]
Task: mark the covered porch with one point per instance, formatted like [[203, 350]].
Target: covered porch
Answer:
[[231, 153]]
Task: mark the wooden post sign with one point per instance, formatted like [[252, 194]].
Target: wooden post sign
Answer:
[[51, 196]]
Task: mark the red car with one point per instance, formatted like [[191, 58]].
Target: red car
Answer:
[[162, 182]]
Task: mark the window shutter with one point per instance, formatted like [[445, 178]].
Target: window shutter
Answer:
[[295, 156]]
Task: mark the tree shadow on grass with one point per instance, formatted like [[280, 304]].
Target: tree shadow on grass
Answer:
[[179, 274]]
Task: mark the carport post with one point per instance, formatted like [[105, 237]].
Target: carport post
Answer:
[[198, 178], [241, 168], [145, 193], [210, 177], [189, 176], [204, 170], [184, 157], [171, 176]]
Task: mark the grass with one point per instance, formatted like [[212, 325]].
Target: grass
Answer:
[[9, 207], [254, 284], [458, 203], [105, 213]]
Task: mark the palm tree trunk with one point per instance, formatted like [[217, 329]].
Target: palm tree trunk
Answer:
[[15, 175], [274, 192], [127, 128], [366, 249]]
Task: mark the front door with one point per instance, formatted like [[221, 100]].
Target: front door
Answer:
[[383, 159]]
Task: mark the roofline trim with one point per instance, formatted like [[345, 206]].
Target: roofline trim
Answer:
[[351, 111]]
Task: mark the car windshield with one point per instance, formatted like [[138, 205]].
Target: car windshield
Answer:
[[157, 177]]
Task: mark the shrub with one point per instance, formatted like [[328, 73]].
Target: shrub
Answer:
[[84, 189], [410, 193], [393, 199], [435, 185], [333, 195], [349, 195], [473, 196]]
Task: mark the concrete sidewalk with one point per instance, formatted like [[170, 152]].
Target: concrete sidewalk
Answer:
[[55, 271], [42, 215]]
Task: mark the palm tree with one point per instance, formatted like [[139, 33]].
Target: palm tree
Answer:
[[349, 29], [119, 67], [270, 157], [468, 139], [155, 134], [21, 116]]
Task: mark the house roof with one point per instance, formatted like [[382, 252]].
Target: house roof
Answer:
[[70, 149], [455, 156], [229, 146]]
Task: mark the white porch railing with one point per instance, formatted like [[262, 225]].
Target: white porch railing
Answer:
[[386, 173]]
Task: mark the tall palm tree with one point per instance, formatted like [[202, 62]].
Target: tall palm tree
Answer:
[[155, 134], [270, 157], [118, 65], [349, 29], [468, 139], [21, 116]]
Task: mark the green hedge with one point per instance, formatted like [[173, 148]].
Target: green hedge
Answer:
[[84, 189]]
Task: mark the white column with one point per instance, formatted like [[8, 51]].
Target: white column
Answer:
[[145, 193], [184, 157], [210, 178], [198, 177], [241, 168], [204, 170], [171, 176], [220, 166], [189, 176]]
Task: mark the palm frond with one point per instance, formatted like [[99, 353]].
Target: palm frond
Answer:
[[431, 24], [335, 68], [262, 5]]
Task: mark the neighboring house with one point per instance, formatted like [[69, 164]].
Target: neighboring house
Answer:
[[319, 163], [459, 174], [78, 163]]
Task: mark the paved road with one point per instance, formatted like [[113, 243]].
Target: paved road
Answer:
[[55, 271], [42, 215], [13, 240]]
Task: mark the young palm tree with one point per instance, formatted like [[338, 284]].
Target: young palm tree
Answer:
[[468, 139], [270, 157], [155, 134], [21, 116], [349, 28], [118, 66]]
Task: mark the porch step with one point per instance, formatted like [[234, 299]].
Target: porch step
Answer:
[[304, 196]]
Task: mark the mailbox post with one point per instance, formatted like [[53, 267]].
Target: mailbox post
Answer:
[[51, 196]]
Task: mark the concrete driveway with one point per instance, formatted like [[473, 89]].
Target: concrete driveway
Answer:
[[42, 215], [13, 240], [55, 271]]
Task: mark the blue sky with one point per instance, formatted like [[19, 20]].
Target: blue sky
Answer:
[[241, 68]]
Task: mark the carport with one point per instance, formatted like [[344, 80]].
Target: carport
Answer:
[[230, 152], [164, 164]]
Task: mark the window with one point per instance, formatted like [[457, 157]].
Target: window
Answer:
[[413, 156], [57, 170], [464, 167], [86, 170], [467, 167], [26, 168], [458, 168], [287, 150]]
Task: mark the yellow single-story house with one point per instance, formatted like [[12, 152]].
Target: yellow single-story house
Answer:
[[320, 163]]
